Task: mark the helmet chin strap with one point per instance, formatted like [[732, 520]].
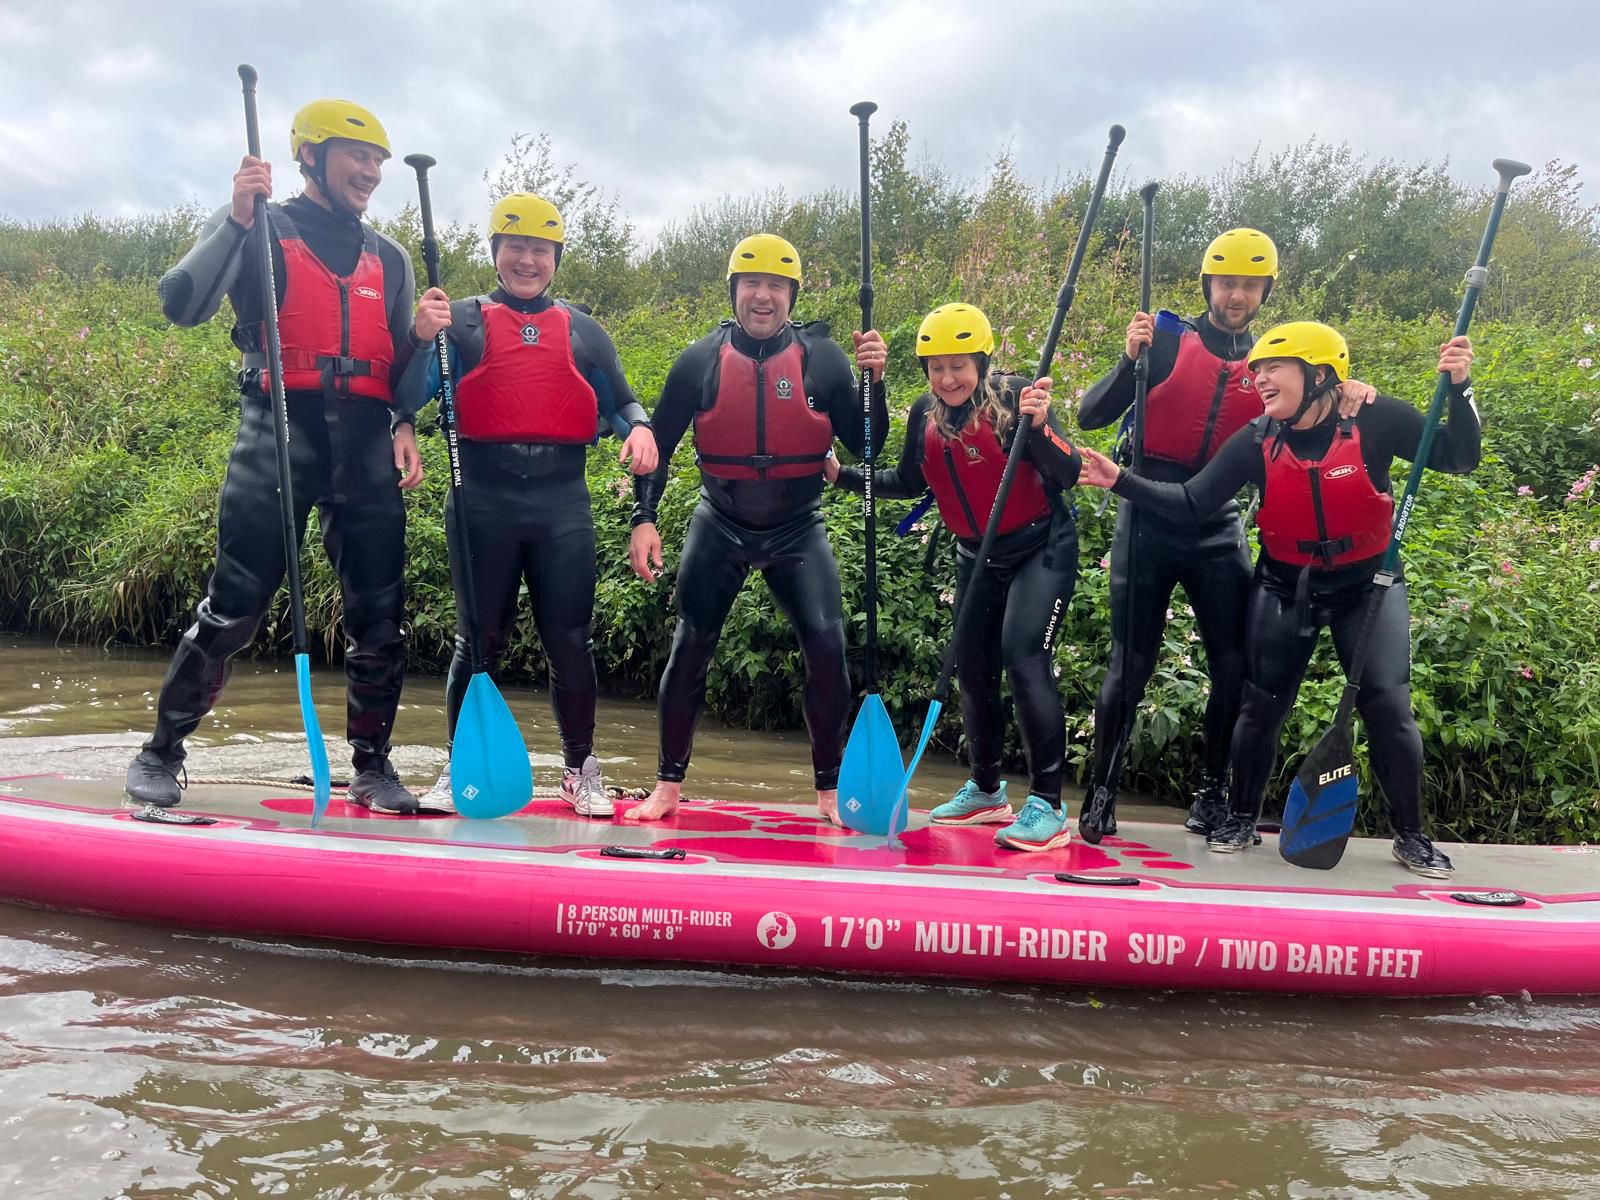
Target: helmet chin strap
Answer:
[[314, 170]]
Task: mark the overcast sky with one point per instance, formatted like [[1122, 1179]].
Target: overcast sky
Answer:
[[119, 108]]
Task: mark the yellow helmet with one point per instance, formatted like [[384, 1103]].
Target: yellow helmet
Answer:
[[1240, 252], [955, 329], [527, 215], [324, 119], [1309, 341], [765, 254]]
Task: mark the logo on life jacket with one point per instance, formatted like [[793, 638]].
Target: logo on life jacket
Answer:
[[1341, 472], [367, 293], [973, 452], [784, 388], [1246, 382], [530, 335]]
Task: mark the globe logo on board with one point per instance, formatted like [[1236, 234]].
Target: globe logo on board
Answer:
[[776, 931]]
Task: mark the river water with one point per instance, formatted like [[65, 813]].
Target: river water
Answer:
[[142, 1062]]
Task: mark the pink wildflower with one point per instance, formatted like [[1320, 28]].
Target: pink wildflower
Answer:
[[1524, 490]]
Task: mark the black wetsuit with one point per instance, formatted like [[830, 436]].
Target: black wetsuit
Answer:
[[1013, 622], [341, 461], [1207, 556], [771, 525], [1281, 636], [529, 518]]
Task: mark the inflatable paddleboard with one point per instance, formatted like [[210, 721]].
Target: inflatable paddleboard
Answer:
[[752, 886]]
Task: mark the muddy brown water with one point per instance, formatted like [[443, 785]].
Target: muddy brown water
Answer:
[[143, 1062]]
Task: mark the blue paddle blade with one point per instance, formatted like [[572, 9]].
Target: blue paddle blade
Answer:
[[901, 813], [321, 777], [872, 775], [1321, 810], [490, 775]]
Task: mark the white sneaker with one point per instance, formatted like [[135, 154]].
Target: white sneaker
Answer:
[[440, 796], [586, 791]]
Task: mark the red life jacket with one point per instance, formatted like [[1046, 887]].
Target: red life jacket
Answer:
[[1323, 514], [526, 387], [334, 328], [964, 476], [1181, 424], [761, 409]]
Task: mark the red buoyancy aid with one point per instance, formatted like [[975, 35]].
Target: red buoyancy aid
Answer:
[[526, 387], [1204, 402], [334, 329], [761, 426], [964, 476], [1323, 514]]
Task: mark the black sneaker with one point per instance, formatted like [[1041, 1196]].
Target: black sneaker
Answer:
[[1416, 853], [381, 791], [1209, 810], [1237, 833], [156, 780]]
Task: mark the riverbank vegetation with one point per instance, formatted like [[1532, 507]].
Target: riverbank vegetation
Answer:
[[115, 429]]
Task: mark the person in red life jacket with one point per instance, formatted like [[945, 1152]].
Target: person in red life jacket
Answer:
[[958, 435], [344, 295], [528, 370], [766, 398], [1326, 515], [1199, 394]]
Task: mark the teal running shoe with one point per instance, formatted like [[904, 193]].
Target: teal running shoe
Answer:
[[970, 806], [1037, 827]]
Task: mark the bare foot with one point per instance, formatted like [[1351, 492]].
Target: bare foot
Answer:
[[828, 806], [661, 803]]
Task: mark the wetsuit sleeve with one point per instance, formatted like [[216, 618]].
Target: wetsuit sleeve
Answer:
[[192, 292], [1458, 443], [835, 384], [400, 283], [1111, 396], [904, 480], [1236, 464], [419, 382], [598, 356], [674, 411], [1049, 450]]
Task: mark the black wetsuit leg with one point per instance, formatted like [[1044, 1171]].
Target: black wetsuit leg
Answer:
[[1216, 580], [1020, 611], [1277, 652], [798, 565], [529, 518], [1135, 635], [710, 574], [799, 568], [363, 529], [1384, 699], [250, 562]]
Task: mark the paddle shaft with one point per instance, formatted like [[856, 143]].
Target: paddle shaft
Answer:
[[420, 163], [863, 113], [1508, 170], [1019, 442], [280, 407], [1141, 389]]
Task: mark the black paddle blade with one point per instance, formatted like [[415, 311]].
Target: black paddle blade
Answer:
[[1321, 810]]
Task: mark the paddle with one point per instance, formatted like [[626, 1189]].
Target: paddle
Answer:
[[1097, 813], [872, 771], [490, 775], [320, 775], [1069, 291], [1321, 810]]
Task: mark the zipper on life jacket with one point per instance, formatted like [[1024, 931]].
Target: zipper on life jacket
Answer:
[[1211, 417], [344, 332], [1323, 549], [961, 492], [761, 418]]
